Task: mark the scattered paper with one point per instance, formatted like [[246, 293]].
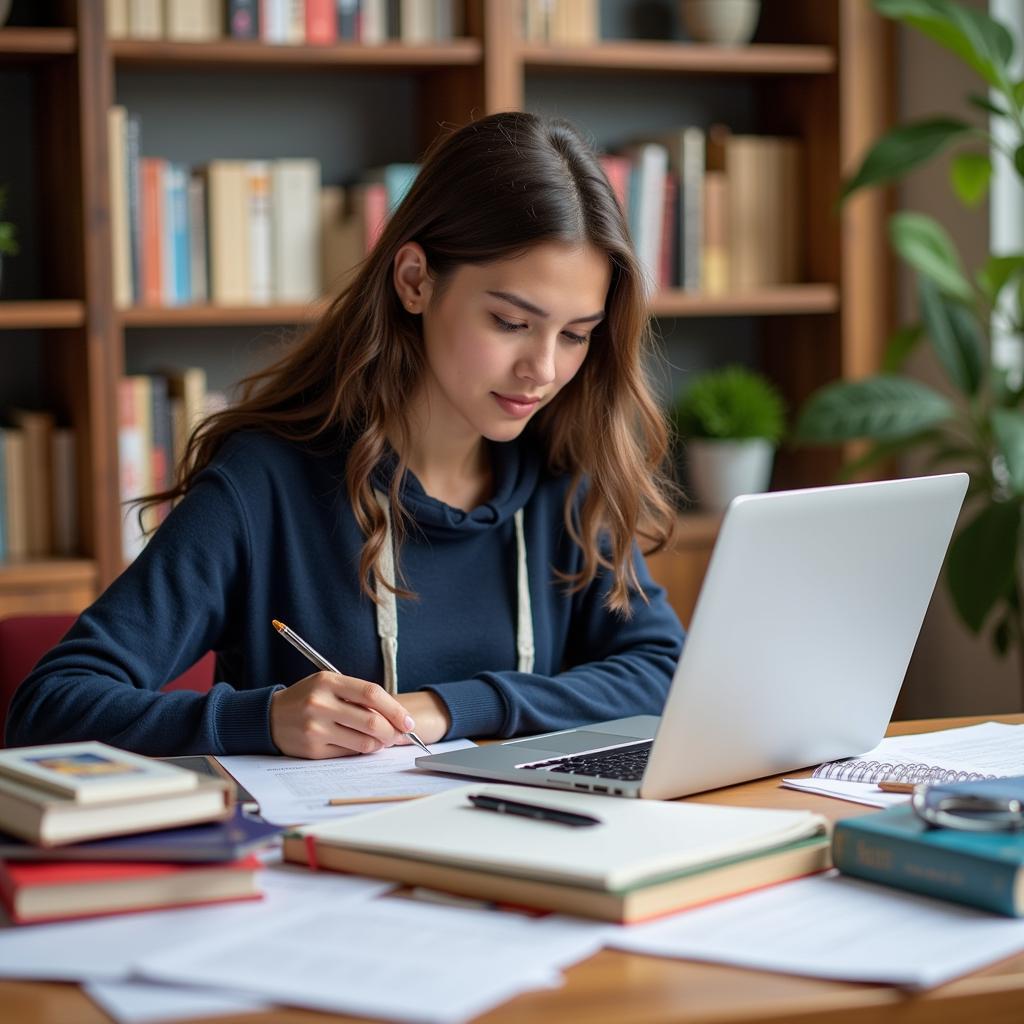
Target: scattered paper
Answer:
[[105, 948], [453, 963], [296, 791], [144, 1002], [831, 926], [856, 792]]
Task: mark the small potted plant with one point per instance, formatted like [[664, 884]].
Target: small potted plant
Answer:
[[8, 241], [730, 422]]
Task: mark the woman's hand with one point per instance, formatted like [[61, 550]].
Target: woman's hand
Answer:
[[331, 715], [430, 713]]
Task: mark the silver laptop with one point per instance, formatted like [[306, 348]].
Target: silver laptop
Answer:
[[802, 633]]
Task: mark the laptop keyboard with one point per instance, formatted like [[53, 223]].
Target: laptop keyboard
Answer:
[[626, 763]]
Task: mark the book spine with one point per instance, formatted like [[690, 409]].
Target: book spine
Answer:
[[132, 156], [321, 22], [243, 19], [261, 273], [65, 494], [119, 229], [348, 20], [924, 868], [197, 270]]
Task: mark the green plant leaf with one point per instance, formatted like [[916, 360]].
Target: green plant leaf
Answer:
[[982, 561], [923, 243], [1001, 637], [1018, 93], [985, 104], [997, 271], [899, 347], [1008, 430], [974, 37], [1018, 160], [880, 408], [732, 402], [902, 149], [955, 336], [970, 174]]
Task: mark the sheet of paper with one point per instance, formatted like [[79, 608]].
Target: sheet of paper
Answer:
[[856, 792], [145, 1002], [452, 963], [294, 791], [831, 926], [104, 948]]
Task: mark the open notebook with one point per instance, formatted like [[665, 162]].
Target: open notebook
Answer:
[[985, 751]]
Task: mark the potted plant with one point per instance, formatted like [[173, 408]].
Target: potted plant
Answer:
[[8, 241], [978, 422], [730, 422]]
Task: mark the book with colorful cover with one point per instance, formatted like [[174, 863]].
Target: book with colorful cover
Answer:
[[92, 772], [895, 847], [35, 892]]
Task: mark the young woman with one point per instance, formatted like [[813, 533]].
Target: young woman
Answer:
[[440, 488]]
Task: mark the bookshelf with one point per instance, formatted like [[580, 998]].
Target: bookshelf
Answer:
[[819, 69]]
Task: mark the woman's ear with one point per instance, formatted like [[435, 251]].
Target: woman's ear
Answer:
[[411, 277]]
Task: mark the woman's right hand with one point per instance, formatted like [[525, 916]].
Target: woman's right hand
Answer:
[[331, 715]]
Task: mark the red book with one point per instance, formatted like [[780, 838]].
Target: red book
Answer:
[[321, 22], [152, 230], [57, 890]]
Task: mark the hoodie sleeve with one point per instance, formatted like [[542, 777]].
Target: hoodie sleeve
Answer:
[[166, 610], [615, 667]]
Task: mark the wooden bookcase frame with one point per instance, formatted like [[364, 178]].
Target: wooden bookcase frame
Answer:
[[830, 73]]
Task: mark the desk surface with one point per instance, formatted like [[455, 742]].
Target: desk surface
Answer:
[[622, 988]]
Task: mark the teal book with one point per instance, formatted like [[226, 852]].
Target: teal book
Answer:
[[895, 847]]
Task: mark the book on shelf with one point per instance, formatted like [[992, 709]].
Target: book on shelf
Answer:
[[194, 21], [51, 819], [15, 493], [685, 148], [561, 22], [145, 19], [646, 200], [58, 890], [222, 841], [646, 858], [37, 428], [295, 207], [228, 223], [260, 254], [896, 848], [66, 539], [243, 19], [120, 240]]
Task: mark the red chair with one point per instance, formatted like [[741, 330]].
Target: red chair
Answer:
[[24, 639]]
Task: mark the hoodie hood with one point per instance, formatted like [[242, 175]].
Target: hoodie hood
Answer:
[[517, 470]]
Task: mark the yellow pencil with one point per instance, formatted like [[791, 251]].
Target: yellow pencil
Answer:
[[892, 786], [341, 801]]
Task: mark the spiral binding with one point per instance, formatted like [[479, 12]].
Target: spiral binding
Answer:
[[876, 771]]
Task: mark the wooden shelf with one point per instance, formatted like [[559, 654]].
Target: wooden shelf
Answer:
[[778, 301], [37, 42], [47, 572], [682, 58], [783, 300], [218, 316], [39, 315], [235, 53]]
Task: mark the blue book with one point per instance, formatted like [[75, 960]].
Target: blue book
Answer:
[[218, 841], [895, 847]]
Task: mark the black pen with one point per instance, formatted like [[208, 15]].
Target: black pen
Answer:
[[535, 811]]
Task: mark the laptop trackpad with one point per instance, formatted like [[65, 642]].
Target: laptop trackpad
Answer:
[[574, 742]]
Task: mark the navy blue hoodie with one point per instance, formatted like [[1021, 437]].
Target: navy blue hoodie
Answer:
[[268, 532]]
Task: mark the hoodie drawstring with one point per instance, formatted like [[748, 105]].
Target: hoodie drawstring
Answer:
[[387, 604]]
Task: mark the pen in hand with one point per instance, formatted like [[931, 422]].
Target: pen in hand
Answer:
[[325, 666]]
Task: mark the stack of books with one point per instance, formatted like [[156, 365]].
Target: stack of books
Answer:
[[95, 830], [643, 858]]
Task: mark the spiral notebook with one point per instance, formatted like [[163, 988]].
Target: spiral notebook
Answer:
[[986, 751]]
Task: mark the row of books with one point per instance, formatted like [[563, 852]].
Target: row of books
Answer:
[[94, 830], [561, 22], [712, 211], [38, 487], [288, 22], [156, 414], [236, 232]]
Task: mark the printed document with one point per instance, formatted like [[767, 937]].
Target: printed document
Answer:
[[831, 926], [142, 1002], [296, 791]]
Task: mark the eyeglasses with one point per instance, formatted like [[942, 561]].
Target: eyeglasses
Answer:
[[957, 807]]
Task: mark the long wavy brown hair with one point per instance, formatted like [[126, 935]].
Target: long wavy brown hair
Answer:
[[488, 191]]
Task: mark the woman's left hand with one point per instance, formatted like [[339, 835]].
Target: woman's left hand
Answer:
[[430, 714]]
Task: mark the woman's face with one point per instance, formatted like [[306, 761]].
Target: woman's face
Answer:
[[502, 339]]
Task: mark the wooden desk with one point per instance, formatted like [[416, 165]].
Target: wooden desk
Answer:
[[621, 988]]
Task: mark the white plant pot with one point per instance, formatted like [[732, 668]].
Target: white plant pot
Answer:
[[723, 22], [721, 470]]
